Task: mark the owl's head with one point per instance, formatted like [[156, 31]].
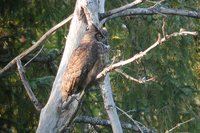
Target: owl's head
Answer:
[[102, 36], [95, 34]]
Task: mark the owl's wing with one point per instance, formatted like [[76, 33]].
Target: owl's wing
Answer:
[[81, 62]]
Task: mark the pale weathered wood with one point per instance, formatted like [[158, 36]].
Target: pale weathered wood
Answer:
[[110, 105], [51, 114], [106, 91]]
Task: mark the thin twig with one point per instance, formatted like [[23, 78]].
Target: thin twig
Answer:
[[134, 121], [38, 43], [29, 91], [156, 3], [129, 111], [163, 26], [141, 81], [179, 124], [122, 8], [139, 125], [143, 53], [34, 56]]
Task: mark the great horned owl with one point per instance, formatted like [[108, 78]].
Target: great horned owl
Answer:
[[85, 62]]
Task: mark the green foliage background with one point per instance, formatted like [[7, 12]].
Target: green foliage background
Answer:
[[173, 98]]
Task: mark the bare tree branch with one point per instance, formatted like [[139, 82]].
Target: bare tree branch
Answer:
[[141, 81], [134, 121], [106, 92], [151, 11], [179, 124], [141, 128], [156, 3], [122, 8], [37, 44], [143, 53], [109, 105], [103, 122], [34, 56], [29, 91], [163, 26]]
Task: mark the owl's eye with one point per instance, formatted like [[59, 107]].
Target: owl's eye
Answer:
[[99, 37]]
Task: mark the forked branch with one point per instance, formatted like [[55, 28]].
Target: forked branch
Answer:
[[143, 53]]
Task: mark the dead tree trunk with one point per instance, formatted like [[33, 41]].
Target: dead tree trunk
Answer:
[[53, 118], [51, 113]]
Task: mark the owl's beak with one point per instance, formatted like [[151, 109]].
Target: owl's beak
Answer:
[[107, 45]]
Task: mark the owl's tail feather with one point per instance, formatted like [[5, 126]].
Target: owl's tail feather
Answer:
[[67, 88]]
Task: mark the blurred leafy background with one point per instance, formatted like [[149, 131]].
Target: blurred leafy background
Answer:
[[173, 98]]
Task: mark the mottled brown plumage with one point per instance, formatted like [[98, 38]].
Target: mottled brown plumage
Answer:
[[85, 62]]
